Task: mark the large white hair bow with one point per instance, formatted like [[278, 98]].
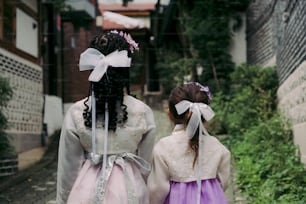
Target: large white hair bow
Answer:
[[198, 110], [92, 59]]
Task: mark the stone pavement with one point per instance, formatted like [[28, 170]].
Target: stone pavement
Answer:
[[36, 184]]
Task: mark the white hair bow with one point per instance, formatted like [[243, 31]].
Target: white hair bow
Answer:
[[198, 110], [92, 59]]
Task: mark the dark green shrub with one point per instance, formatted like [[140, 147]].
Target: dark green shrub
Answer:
[[251, 98], [172, 68]]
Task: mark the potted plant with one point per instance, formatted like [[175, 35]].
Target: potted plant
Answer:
[[8, 156]]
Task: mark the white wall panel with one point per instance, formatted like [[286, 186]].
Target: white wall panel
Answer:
[[26, 33]]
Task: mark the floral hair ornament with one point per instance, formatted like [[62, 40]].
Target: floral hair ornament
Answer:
[[198, 110], [204, 89], [128, 38]]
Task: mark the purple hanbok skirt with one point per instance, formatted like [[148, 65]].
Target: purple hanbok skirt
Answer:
[[186, 193]]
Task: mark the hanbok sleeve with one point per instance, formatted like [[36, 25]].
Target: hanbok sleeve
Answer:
[[146, 144], [158, 180], [224, 169], [70, 159]]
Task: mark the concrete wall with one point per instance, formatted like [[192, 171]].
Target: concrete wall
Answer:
[[292, 102], [238, 46], [276, 36], [53, 113]]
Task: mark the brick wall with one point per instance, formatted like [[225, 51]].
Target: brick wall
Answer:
[[277, 28], [260, 35], [291, 51], [76, 83]]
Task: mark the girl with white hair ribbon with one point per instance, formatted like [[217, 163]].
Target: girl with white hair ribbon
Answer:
[[107, 138], [189, 166]]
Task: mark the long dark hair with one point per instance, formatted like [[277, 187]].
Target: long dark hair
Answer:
[[192, 93], [111, 87]]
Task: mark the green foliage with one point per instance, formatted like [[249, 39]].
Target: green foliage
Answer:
[[5, 95], [268, 169], [204, 38], [250, 100], [172, 69], [207, 24]]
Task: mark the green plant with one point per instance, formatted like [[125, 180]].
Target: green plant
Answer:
[[5, 95], [267, 168], [207, 25], [251, 98], [269, 171], [204, 37], [171, 69]]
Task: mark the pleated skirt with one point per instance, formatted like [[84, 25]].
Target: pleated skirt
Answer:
[[85, 187], [186, 193]]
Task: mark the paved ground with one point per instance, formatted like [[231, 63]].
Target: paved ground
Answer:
[[37, 183]]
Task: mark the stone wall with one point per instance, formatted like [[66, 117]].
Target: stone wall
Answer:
[[53, 114], [292, 103], [276, 35], [25, 108]]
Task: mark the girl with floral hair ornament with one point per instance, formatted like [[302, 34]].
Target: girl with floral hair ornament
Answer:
[[107, 138], [189, 166]]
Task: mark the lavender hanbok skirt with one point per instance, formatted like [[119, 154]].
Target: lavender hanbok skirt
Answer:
[[186, 193]]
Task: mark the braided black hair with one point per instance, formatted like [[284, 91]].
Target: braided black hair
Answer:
[[111, 87]]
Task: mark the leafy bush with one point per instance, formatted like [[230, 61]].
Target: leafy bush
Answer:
[[251, 98], [268, 170], [5, 95], [268, 167], [207, 27], [172, 69]]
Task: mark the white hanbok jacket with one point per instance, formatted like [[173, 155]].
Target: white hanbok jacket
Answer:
[[173, 161], [136, 136]]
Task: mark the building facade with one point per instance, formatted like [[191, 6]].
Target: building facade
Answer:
[[78, 26], [20, 64], [40, 44]]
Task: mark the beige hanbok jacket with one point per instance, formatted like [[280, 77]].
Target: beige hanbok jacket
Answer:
[[136, 136], [173, 159]]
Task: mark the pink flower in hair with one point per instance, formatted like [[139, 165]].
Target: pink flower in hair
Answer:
[[128, 39]]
